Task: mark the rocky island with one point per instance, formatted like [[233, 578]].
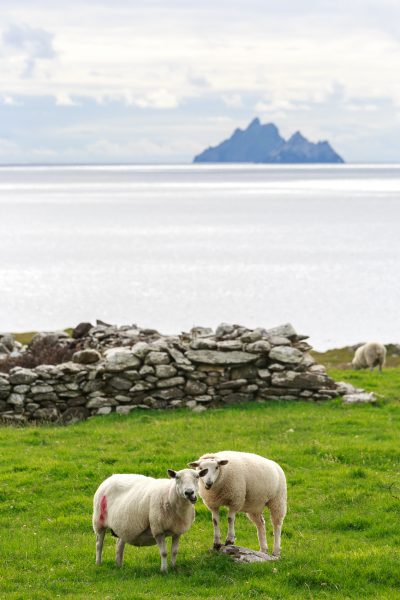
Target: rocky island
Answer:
[[263, 144]]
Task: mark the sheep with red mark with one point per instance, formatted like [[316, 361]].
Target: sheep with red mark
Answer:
[[143, 511], [247, 483]]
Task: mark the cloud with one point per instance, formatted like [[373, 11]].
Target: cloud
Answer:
[[32, 43]]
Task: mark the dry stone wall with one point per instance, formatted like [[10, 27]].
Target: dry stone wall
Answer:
[[121, 369]]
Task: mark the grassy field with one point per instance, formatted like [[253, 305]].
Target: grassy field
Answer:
[[341, 537]]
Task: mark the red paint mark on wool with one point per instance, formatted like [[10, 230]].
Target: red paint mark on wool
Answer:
[[103, 510]]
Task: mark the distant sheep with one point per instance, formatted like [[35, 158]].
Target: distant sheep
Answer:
[[143, 511], [244, 483], [369, 355]]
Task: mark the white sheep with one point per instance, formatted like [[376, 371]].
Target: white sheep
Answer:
[[369, 355], [244, 483], [143, 511]]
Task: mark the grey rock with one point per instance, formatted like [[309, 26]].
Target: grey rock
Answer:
[[293, 379], [125, 410], [178, 357], [203, 344], [119, 383], [86, 357], [204, 399], [46, 414], [157, 358], [195, 388], [41, 389], [245, 555], [199, 409], [168, 394], [287, 331], [16, 399], [278, 340], [81, 330], [100, 402], [13, 418], [245, 372], [141, 386], [163, 371], [260, 347], [191, 403], [251, 336], [74, 415], [359, 398], [170, 382], [224, 329], [237, 398], [201, 331], [216, 357], [19, 375], [264, 374], [286, 354], [141, 349], [120, 359], [146, 370], [230, 345], [104, 410]]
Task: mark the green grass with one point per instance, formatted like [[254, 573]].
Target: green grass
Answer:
[[341, 536]]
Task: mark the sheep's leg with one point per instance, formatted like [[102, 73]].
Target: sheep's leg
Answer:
[[99, 545], [230, 538], [277, 514], [119, 552], [174, 549], [162, 546], [217, 531], [259, 522]]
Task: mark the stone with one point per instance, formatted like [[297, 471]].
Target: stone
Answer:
[[199, 409], [264, 374], [260, 347], [19, 375], [104, 410], [204, 399], [13, 418], [178, 357], [81, 330], [230, 345], [359, 398], [224, 329], [120, 383], [278, 340], [216, 357], [197, 331], [245, 372], [86, 357], [146, 370], [245, 555], [203, 344], [163, 371], [7, 341], [191, 403], [317, 369], [342, 388], [251, 336], [169, 393], [74, 415], [141, 386], [232, 384], [125, 410], [16, 399], [141, 349], [120, 359], [276, 367], [286, 354], [237, 398], [170, 382], [101, 401], [195, 388], [293, 379], [46, 414], [157, 358], [287, 330]]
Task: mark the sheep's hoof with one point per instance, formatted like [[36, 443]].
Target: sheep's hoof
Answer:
[[229, 543], [217, 546]]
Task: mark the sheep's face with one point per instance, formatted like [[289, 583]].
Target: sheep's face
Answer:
[[187, 483], [209, 470]]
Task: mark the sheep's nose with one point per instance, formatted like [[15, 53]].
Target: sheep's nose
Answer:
[[190, 495], [208, 484]]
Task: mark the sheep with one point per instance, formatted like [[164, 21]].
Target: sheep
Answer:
[[369, 355], [247, 483], [143, 511]]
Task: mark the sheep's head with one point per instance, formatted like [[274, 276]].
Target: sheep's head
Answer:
[[187, 483], [209, 469]]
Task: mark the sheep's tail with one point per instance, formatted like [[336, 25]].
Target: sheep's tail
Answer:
[[99, 513]]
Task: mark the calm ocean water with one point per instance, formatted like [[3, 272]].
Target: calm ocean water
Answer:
[[175, 246]]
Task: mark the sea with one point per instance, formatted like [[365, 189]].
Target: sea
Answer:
[[174, 246]]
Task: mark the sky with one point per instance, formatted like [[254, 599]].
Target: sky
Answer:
[[156, 81]]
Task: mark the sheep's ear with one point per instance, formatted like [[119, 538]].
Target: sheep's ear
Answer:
[[171, 473], [194, 464], [223, 462], [203, 472]]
